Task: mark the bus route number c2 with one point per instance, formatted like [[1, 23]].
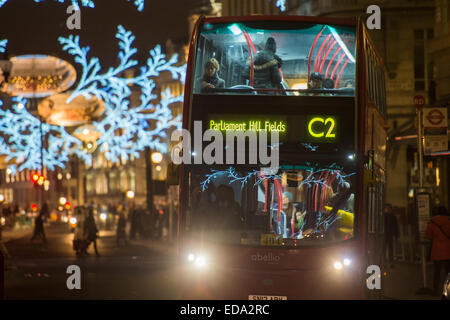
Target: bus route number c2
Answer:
[[321, 127]]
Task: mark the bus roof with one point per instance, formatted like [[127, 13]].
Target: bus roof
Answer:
[[310, 19]]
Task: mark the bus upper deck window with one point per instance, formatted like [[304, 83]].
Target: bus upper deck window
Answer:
[[276, 58]]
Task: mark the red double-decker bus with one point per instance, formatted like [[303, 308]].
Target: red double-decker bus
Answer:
[[310, 229]]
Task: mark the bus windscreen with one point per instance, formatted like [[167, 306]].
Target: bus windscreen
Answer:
[[267, 58], [308, 204]]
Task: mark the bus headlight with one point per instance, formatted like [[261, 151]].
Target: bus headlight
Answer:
[[200, 261], [338, 265], [191, 257]]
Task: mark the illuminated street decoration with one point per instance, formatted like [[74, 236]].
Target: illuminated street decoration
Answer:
[[35, 76], [3, 44], [125, 130], [21, 141], [55, 110], [87, 3], [281, 4]]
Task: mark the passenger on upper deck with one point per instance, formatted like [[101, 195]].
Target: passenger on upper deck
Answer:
[[210, 79], [266, 67], [315, 81]]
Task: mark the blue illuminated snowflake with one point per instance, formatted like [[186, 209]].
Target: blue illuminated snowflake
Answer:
[[281, 4], [3, 44], [21, 140], [87, 3], [126, 130]]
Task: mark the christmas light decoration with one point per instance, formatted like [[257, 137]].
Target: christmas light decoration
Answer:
[[21, 140], [3, 44], [281, 4], [87, 3], [125, 130]]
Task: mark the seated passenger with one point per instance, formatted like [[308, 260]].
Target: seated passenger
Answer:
[[266, 67], [328, 83], [315, 81], [210, 79]]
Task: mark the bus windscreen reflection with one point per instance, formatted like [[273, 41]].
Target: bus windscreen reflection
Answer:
[[293, 207]]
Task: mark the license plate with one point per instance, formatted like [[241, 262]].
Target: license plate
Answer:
[[263, 297]]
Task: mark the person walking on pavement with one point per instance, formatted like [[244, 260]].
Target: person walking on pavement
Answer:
[[91, 231], [390, 232], [438, 231], [39, 224], [121, 229]]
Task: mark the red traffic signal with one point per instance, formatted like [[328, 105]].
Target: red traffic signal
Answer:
[[38, 179], [34, 207], [35, 177]]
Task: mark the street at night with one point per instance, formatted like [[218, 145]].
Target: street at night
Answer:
[[142, 270], [253, 151]]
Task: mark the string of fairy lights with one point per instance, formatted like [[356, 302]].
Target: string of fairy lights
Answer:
[[281, 4]]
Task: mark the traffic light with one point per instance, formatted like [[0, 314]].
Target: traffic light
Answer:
[[38, 180], [35, 177]]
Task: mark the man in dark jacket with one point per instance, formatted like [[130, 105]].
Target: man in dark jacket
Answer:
[[266, 67]]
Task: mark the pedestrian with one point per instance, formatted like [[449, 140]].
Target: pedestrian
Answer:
[[91, 231], [39, 226], [121, 229], [438, 231], [390, 232], [79, 239], [136, 222]]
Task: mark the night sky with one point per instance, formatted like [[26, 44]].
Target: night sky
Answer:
[[34, 28]]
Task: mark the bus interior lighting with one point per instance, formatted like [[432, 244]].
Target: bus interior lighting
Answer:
[[342, 44], [235, 29]]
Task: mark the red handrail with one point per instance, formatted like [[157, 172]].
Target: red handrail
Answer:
[[331, 61], [340, 72], [311, 51]]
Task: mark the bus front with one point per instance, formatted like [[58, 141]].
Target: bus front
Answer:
[[273, 215]]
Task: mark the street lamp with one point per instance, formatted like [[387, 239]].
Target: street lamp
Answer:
[[62, 201], [130, 194], [156, 157]]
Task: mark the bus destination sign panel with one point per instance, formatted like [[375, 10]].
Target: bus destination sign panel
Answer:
[[292, 128]]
